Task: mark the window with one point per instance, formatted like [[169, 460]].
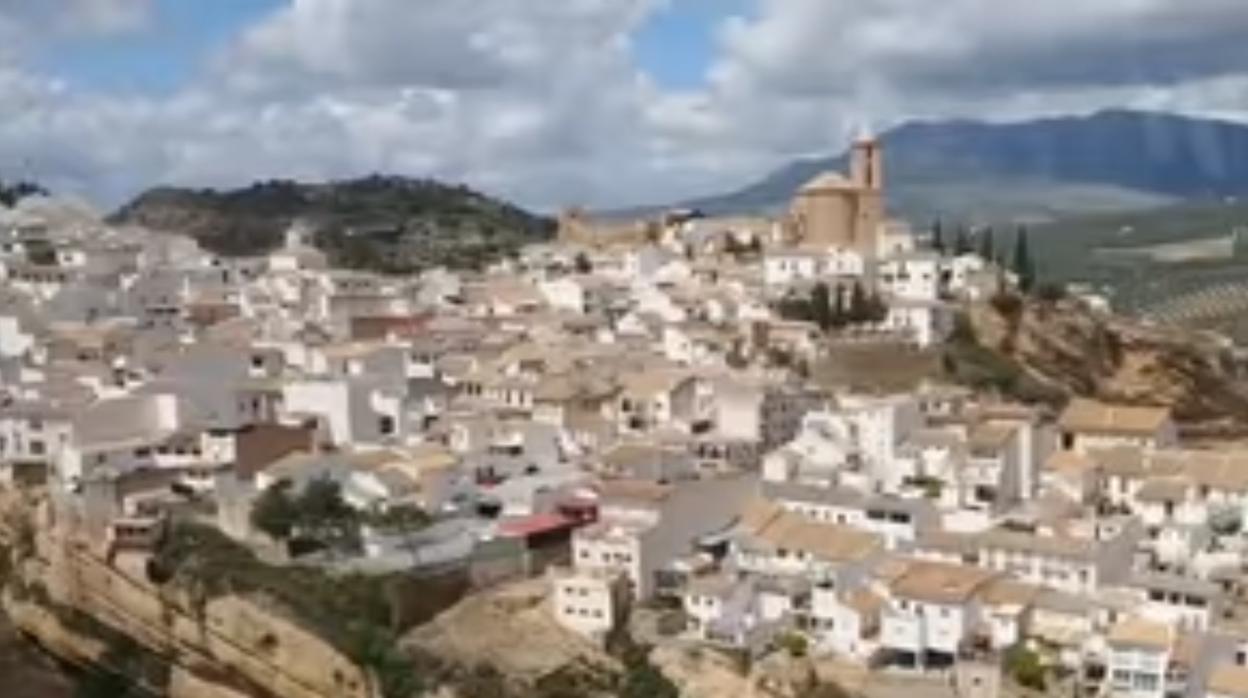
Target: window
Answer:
[[37, 448], [1146, 682], [385, 425]]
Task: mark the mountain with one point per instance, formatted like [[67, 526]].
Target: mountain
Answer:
[[391, 224], [1109, 161]]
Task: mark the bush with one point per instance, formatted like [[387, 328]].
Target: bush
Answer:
[[1007, 305], [318, 515], [795, 644], [1024, 666]]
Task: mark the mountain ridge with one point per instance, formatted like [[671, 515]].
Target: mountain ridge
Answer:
[[1111, 160]]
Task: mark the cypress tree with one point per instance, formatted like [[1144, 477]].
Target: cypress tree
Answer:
[[986, 245], [859, 306], [961, 243], [1024, 267], [821, 306], [840, 317]]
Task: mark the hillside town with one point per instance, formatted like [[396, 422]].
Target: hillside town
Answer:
[[630, 417]]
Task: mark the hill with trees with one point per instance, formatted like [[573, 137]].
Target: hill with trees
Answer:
[[389, 224]]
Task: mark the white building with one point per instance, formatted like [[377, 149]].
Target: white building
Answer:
[[933, 610], [589, 601], [1139, 658], [1088, 425]]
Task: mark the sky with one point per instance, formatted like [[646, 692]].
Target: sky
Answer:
[[601, 103]]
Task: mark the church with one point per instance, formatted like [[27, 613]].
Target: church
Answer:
[[833, 211]]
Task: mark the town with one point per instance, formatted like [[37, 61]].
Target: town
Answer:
[[630, 418]]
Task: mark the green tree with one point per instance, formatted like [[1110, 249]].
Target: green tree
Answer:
[[643, 680], [821, 306], [274, 512], [859, 305], [11, 194], [986, 245], [795, 644], [582, 263], [1023, 267], [325, 516], [877, 309], [961, 242], [1024, 666], [840, 315]]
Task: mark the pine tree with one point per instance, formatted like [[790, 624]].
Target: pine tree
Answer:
[[1024, 268], [859, 307], [877, 309], [821, 306], [986, 245], [938, 237], [961, 243], [840, 316]]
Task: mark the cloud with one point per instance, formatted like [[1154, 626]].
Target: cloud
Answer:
[[815, 47], [543, 101], [34, 19]]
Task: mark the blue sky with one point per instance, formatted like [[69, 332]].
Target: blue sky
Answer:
[[533, 100], [676, 45], [178, 41]]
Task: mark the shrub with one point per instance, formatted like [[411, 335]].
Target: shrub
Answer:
[[1024, 666], [795, 644], [1007, 305]]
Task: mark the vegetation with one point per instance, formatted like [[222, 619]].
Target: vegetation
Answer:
[[987, 250], [386, 224], [969, 362], [317, 515], [961, 242], [1024, 667], [795, 644], [583, 265], [830, 310], [362, 616], [824, 690], [641, 678], [932, 486], [11, 194], [1023, 266]]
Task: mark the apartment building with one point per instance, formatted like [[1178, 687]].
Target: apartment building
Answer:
[[1139, 658], [932, 612]]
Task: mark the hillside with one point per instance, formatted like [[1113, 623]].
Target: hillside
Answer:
[[969, 170], [1146, 258], [1050, 351], [388, 224]]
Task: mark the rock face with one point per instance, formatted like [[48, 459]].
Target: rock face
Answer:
[[103, 613], [1072, 351], [380, 223], [24, 673]]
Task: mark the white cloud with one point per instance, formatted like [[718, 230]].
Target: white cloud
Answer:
[[542, 101]]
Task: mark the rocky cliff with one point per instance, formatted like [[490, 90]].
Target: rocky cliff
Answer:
[[1050, 350]]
